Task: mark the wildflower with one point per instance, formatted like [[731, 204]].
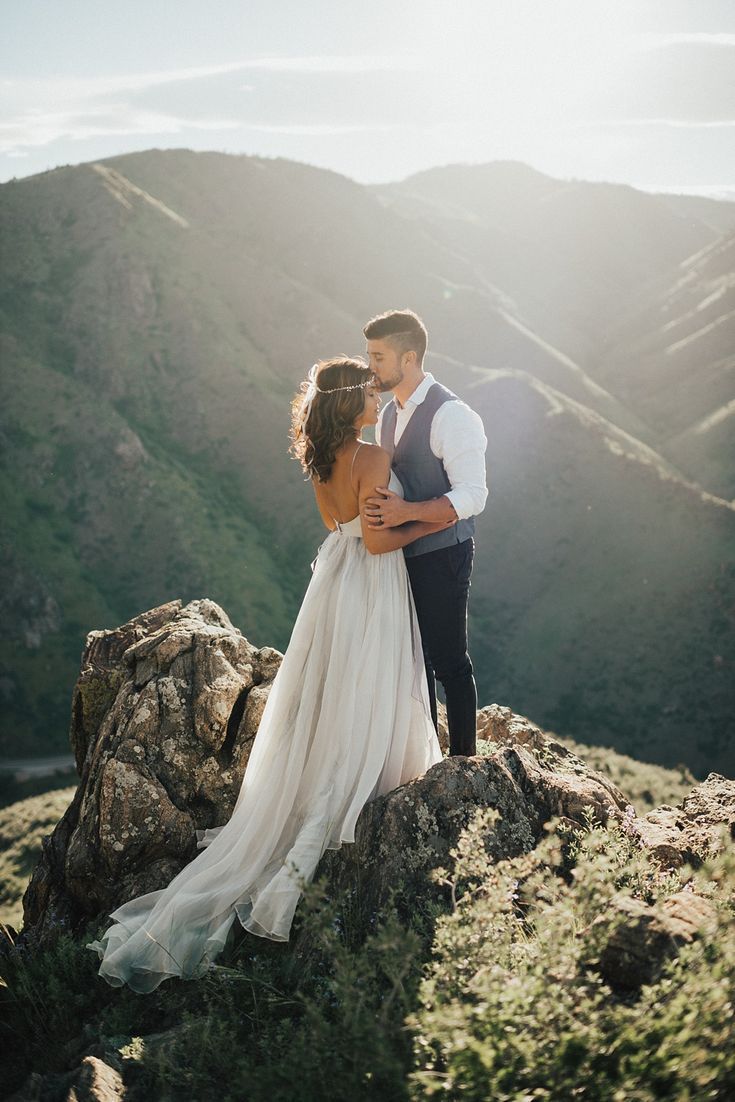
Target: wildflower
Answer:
[[627, 823]]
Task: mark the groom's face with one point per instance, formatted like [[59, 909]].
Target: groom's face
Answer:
[[385, 363]]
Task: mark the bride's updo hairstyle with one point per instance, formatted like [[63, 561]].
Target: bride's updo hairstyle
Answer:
[[324, 412]]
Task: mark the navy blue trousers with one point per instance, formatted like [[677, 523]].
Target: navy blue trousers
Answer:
[[440, 582]]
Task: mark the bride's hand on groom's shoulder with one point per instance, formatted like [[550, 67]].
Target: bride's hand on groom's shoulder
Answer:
[[387, 511]]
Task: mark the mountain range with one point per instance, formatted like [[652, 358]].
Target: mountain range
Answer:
[[158, 311]]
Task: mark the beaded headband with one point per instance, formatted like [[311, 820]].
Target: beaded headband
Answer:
[[313, 389]]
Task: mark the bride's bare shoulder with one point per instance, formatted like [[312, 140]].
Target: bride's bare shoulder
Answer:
[[373, 465], [372, 453], [368, 448]]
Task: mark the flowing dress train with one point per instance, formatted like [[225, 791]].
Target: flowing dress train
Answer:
[[347, 719]]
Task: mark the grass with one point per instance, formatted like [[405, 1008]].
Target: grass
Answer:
[[22, 827]]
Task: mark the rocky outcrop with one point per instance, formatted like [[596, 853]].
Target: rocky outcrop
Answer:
[[94, 1080], [646, 936], [403, 835], [675, 836], [679, 835], [164, 716]]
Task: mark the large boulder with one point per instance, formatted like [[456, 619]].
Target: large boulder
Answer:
[[164, 714], [679, 835], [645, 935], [402, 836]]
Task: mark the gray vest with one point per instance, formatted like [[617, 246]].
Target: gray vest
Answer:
[[422, 475]]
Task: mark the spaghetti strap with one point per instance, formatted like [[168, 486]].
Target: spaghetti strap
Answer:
[[354, 456]]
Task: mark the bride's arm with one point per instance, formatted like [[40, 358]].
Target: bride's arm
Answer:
[[374, 470]]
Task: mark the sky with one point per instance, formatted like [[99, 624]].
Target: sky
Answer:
[[630, 91]]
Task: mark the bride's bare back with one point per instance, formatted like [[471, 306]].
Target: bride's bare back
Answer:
[[359, 468], [338, 498]]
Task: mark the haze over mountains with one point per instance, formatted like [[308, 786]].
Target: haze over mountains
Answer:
[[158, 311]]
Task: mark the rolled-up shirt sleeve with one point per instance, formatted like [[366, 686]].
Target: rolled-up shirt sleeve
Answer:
[[458, 439]]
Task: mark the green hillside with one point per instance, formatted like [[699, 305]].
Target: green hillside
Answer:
[[158, 310]]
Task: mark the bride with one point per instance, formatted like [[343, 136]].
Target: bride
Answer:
[[347, 718]]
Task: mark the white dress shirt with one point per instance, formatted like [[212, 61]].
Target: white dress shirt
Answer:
[[457, 438]]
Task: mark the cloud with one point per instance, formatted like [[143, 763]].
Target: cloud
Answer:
[[682, 81], [687, 123], [358, 63], [699, 38], [315, 129], [49, 110], [39, 128], [81, 89]]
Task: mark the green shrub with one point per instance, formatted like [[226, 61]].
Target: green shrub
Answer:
[[321, 1020], [497, 994], [46, 998], [513, 1006]]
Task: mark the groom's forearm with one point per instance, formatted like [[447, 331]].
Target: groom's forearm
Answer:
[[437, 510]]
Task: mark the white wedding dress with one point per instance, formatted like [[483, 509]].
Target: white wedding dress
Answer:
[[347, 719]]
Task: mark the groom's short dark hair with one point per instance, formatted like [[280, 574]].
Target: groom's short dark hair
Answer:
[[402, 328]]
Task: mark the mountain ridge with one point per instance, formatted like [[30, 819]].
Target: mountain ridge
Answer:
[[149, 367]]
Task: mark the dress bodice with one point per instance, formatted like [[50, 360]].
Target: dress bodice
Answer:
[[353, 527]]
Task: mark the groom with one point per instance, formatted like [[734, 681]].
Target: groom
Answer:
[[437, 448]]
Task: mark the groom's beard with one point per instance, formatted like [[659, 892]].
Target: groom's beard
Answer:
[[390, 384]]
